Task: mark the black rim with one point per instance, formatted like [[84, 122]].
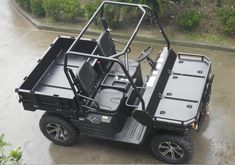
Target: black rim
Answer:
[[171, 150], [57, 132]]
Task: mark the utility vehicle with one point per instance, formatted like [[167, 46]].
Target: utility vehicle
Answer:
[[89, 87]]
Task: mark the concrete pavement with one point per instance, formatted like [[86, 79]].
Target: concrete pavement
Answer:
[[21, 45]]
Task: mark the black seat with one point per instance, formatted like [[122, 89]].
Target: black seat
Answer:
[[133, 65], [86, 78], [106, 45], [108, 99], [107, 49]]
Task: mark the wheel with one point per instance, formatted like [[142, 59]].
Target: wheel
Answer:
[[172, 148], [58, 130]]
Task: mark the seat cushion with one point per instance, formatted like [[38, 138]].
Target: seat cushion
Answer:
[[109, 99], [133, 65]]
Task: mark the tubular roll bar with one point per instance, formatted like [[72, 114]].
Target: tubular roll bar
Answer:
[[141, 7], [144, 9]]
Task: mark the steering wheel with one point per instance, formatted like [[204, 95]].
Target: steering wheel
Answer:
[[145, 54]]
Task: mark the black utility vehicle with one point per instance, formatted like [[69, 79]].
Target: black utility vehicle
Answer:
[[86, 86]]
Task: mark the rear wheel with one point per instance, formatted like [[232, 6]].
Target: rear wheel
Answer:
[[58, 130], [172, 148]]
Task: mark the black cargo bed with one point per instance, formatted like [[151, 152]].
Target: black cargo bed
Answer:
[[48, 77], [54, 81], [47, 87]]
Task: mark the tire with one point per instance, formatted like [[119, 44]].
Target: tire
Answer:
[[172, 149], [58, 130]]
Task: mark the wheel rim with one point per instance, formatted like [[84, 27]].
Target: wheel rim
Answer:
[[171, 150], [56, 132]]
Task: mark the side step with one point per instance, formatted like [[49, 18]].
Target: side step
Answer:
[[132, 132]]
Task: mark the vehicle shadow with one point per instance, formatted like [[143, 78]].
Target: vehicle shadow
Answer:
[[202, 144], [98, 151]]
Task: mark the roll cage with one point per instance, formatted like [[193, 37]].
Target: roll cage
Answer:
[[113, 58]]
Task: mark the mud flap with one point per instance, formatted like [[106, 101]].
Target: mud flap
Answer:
[[208, 94], [142, 117], [203, 116]]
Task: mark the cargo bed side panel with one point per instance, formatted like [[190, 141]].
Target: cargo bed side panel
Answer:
[[33, 101]]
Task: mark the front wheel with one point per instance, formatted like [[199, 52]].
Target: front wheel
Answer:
[[58, 130], [172, 148]]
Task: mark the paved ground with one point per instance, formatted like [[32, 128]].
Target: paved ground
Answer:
[[20, 47]]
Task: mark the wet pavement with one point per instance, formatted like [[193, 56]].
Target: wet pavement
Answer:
[[21, 45]]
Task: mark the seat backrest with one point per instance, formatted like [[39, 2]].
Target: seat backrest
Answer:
[[86, 78], [106, 44]]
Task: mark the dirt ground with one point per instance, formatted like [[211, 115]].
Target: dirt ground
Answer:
[[21, 45]]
